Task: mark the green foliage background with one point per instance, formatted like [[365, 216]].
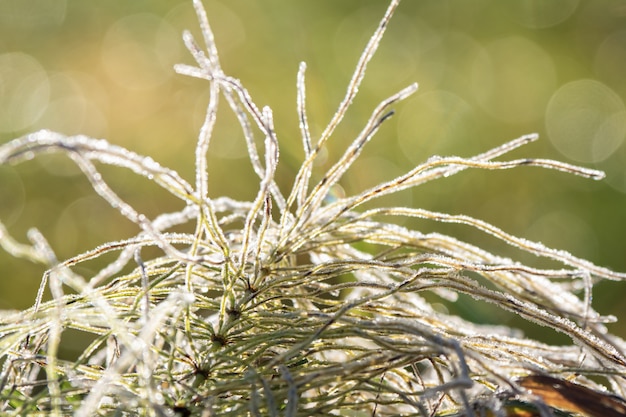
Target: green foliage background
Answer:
[[488, 71]]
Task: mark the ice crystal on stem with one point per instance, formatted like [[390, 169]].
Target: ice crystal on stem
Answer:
[[270, 307]]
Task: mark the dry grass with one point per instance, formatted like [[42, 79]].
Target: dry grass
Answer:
[[294, 304]]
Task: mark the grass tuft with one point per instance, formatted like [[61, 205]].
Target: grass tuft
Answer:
[[273, 307]]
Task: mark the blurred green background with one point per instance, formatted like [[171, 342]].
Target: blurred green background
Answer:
[[488, 70]]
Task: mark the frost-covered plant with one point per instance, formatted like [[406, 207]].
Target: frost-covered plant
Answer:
[[296, 305]]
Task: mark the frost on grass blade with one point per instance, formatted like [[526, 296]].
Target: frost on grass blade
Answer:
[[293, 304]]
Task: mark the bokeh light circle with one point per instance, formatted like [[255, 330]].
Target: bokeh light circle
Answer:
[[514, 80], [586, 121], [75, 105], [32, 14], [564, 229], [609, 63], [139, 51], [539, 14], [435, 122], [24, 91]]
